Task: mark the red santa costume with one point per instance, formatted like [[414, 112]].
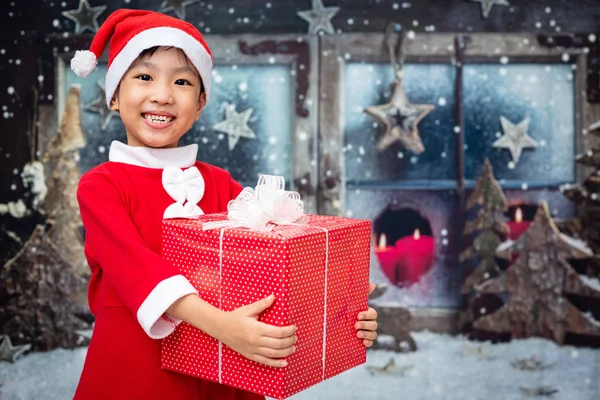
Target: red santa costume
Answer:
[[123, 202]]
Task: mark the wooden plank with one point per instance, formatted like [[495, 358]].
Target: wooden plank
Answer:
[[332, 175]]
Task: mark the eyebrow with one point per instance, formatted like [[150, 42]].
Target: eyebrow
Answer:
[[179, 70], [184, 69]]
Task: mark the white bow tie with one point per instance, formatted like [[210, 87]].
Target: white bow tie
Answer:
[[186, 187]]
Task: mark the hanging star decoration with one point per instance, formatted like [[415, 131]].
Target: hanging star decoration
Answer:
[[177, 7], [486, 5], [319, 18], [235, 125], [515, 138], [11, 353], [400, 119], [85, 17], [98, 105]]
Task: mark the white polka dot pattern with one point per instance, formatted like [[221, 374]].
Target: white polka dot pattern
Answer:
[[289, 262]]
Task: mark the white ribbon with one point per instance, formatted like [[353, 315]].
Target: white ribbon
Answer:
[[325, 300], [262, 208], [186, 187]]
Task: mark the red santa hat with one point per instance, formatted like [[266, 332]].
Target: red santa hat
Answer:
[[130, 32]]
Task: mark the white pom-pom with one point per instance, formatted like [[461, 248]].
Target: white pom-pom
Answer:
[[83, 62]]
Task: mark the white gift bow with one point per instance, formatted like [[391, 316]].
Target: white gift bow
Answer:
[[186, 187], [262, 208]]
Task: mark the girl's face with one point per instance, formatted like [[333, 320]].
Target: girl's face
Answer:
[[159, 98]]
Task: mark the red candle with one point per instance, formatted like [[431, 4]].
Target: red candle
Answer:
[[386, 255], [416, 256], [407, 261], [518, 226]]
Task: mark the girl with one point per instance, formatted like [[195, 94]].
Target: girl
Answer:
[[158, 79]]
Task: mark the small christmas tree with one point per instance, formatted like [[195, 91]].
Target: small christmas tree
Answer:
[[60, 204], [538, 284], [487, 227], [42, 296], [587, 194]]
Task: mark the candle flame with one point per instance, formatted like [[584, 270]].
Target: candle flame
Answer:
[[519, 215], [382, 241], [417, 234]]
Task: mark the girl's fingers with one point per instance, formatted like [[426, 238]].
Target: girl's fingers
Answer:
[[275, 353], [368, 343], [367, 335], [366, 325], [268, 361], [277, 343], [277, 332], [370, 314], [372, 287]]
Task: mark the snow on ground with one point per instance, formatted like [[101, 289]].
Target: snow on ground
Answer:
[[444, 367]]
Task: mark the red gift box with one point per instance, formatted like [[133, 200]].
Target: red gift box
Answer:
[[319, 273]]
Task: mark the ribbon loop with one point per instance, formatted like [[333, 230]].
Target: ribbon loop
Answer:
[[263, 207]]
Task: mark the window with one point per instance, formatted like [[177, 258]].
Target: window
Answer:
[[471, 92], [305, 99], [271, 80]]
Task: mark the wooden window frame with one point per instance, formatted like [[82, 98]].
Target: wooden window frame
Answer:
[[298, 52], [448, 48]]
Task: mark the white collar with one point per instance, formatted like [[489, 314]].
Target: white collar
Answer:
[[181, 157]]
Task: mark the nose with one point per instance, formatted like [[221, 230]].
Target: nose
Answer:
[[162, 93]]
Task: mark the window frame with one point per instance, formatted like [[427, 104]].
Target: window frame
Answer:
[[449, 48]]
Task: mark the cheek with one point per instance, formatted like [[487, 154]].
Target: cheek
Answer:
[[132, 94], [191, 105]]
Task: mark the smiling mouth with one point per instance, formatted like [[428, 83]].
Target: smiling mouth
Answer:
[[158, 119]]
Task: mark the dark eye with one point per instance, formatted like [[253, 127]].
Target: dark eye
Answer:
[[182, 82], [144, 77]]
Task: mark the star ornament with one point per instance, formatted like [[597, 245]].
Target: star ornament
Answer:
[[400, 119], [486, 5], [11, 353], [177, 7], [515, 138], [85, 17], [319, 18], [235, 125], [98, 105]]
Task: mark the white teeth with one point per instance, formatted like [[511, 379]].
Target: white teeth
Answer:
[[158, 118]]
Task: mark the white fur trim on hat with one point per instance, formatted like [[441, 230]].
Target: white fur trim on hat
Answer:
[[83, 62], [162, 36]]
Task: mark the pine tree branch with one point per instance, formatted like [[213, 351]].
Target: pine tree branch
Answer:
[[496, 285], [498, 322], [579, 323], [486, 270], [590, 158], [581, 285]]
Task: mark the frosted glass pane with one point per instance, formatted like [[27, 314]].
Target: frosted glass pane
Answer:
[[406, 264], [268, 90], [368, 84], [544, 93]]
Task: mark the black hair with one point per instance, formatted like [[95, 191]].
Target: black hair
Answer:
[[150, 52]]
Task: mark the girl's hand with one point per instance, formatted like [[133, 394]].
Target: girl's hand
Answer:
[[255, 340], [367, 324]]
